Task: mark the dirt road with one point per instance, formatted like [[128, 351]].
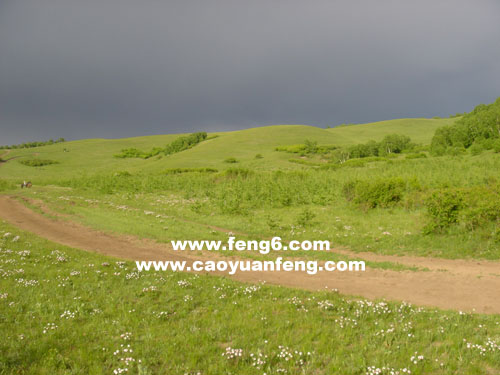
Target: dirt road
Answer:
[[450, 284]]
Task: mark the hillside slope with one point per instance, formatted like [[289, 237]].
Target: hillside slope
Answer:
[[245, 144], [420, 130], [91, 156]]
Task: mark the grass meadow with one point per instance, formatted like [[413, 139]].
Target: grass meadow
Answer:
[[305, 203], [66, 311]]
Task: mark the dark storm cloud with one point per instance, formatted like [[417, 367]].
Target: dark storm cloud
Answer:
[[112, 68]]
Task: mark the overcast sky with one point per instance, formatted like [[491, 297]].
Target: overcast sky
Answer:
[[116, 68]]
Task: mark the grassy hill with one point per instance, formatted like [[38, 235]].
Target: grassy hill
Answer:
[[420, 130], [245, 144], [93, 156], [97, 155]]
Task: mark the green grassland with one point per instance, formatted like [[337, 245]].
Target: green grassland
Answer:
[[69, 311], [420, 130], [93, 156], [269, 203], [64, 311], [96, 155], [261, 197]]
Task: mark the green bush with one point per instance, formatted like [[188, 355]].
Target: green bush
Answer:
[[305, 217], [189, 170], [482, 207], [230, 160], [178, 145], [455, 150], [496, 235], [378, 193], [183, 143], [443, 207], [476, 149], [420, 155], [292, 149], [33, 144], [389, 146], [472, 208], [309, 147], [37, 162], [132, 153], [354, 163]]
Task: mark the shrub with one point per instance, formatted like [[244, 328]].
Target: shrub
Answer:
[[496, 235], [443, 207], [309, 147], [132, 153], [272, 222], [292, 149], [189, 170], [481, 207], [496, 146], [37, 162], [472, 208], [476, 149], [394, 144], [354, 163], [488, 143], [378, 193], [230, 160], [183, 143], [305, 217], [34, 144], [259, 156], [178, 145], [389, 146], [438, 150], [455, 150]]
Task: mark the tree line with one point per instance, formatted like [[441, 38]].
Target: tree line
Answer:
[[32, 144]]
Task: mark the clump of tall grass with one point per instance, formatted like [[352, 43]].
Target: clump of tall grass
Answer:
[[5, 185], [38, 162], [189, 170], [254, 189]]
